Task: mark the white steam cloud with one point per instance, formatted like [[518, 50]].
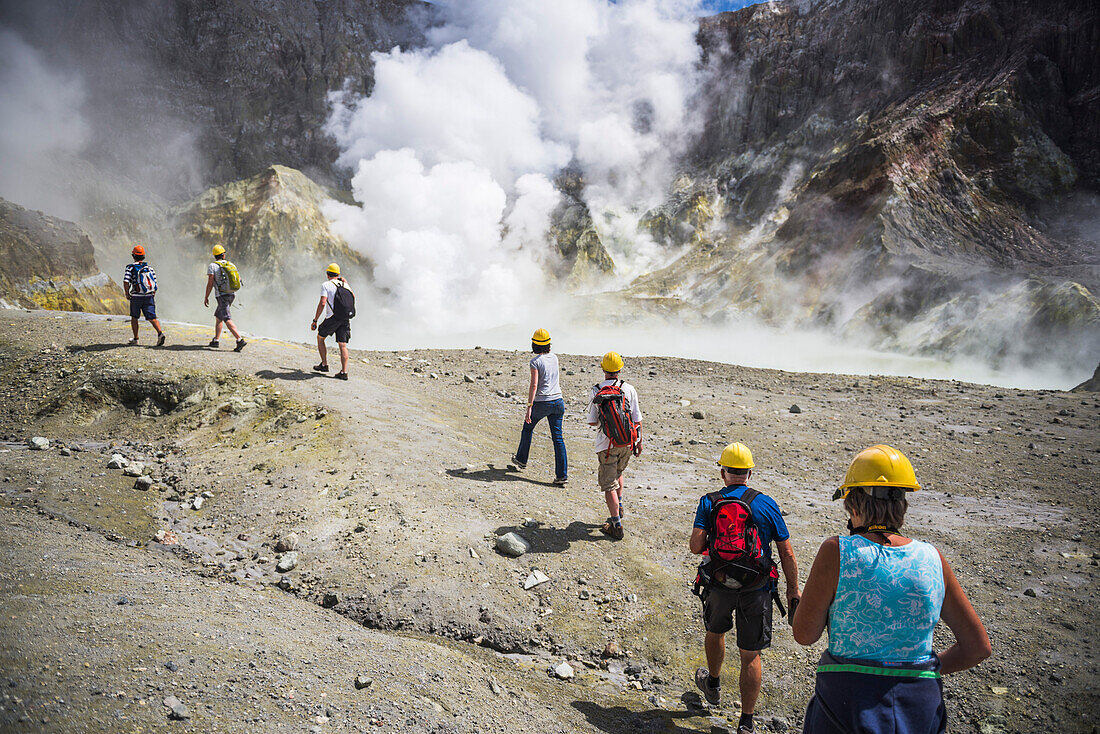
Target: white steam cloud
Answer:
[[40, 119], [455, 149]]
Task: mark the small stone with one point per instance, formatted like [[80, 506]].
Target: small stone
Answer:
[[330, 600], [287, 543], [143, 483], [134, 469], [794, 409], [118, 461], [362, 681], [778, 723], [66, 451], [611, 650], [1030, 592], [684, 403], [583, 594], [166, 537], [564, 671], [467, 378], [537, 577], [196, 504], [699, 415], [171, 666], [122, 601], [512, 544], [998, 690], [473, 554], [608, 618], [38, 443], [287, 563], [176, 709]]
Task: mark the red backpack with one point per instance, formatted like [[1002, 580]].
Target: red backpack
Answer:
[[614, 413], [737, 558]]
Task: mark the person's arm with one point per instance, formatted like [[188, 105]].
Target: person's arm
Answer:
[[698, 541], [813, 608], [971, 641], [209, 287], [531, 394], [790, 568], [320, 310]]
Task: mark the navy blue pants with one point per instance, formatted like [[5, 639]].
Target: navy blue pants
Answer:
[[553, 411], [848, 702]]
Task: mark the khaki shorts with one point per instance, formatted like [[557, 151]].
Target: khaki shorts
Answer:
[[612, 463]]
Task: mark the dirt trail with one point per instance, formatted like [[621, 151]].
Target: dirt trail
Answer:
[[395, 485]]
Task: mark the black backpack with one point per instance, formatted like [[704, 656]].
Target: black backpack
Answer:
[[735, 550], [343, 303]]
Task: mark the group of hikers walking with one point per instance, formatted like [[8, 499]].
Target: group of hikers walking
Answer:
[[878, 593], [336, 304]]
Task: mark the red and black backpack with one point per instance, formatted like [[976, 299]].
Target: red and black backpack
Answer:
[[734, 546], [614, 413]]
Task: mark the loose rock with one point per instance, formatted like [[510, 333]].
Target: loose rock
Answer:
[[699, 415], [118, 461], [176, 709], [287, 543], [134, 469], [330, 600], [564, 671], [537, 577], [287, 563], [512, 544], [362, 681], [143, 483], [38, 443], [794, 409]]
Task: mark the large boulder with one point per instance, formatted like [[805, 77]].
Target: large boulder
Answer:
[[47, 262]]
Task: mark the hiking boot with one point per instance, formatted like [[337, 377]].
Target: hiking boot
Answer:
[[745, 730], [160, 339], [615, 532], [712, 694], [560, 481], [341, 375], [320, 367], [213, 343], [518, 464], [240, 345], [132, 343]]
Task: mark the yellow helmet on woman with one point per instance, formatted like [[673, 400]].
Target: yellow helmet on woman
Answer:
[[879, 466], [541, 337]]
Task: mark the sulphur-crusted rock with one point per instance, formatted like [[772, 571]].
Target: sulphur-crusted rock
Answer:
[[48, 263], [271, 224]]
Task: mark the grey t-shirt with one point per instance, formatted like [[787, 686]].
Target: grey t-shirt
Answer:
[[221, 281], [547, 366]]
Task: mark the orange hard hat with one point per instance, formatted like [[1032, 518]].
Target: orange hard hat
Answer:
[[138, 250]]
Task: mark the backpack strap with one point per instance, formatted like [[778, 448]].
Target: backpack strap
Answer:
[[749, 495], [715, 498]]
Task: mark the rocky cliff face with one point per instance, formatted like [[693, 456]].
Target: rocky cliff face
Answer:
[[898, 170], [49, 263]]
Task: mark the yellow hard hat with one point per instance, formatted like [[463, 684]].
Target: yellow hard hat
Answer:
[[611, 362], [333, 268], [736, 456], [879, 466], [541, 337], [218, 250]]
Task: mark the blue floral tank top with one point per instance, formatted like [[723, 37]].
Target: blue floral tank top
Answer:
[[888, 601]]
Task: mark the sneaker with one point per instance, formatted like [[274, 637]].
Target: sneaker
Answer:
[[560, 481], [745, 730], [712, 694], [213, 343], [320, 367], [615, 532], [160, 340], [341, 375], [132, 343], [517, 463], [240, 345]]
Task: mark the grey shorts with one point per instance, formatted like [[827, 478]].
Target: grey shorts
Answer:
[[750, 610], [221, 313], [612, 463]]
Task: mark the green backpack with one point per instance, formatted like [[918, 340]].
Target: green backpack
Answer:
[[232, 275]]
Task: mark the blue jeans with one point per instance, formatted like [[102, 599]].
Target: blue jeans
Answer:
[[553, 411]]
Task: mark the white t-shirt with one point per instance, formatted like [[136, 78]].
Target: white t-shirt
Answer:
[[547, 387], [221, 282], [328, 290], [629, 394]]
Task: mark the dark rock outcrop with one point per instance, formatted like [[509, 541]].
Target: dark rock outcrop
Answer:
[[48, 263]]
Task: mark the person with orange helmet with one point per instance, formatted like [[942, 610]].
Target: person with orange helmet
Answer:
[[881, 595], [139, 282]]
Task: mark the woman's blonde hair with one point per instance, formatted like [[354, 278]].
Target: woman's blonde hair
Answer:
[[875, 511]]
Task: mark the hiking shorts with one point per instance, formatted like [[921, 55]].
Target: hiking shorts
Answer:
[[612, 463], [221, 313], [341, 328], [751, 610], [142, 305]]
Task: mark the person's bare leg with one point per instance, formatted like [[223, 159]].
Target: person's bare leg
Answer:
[[344, 358], [612, 499], [619, 491], [156, 325], [233, 329], [715, 646], [752, 672], [322, 350], [217, 329], [134, 326]]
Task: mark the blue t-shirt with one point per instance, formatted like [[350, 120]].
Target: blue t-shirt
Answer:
[[765, 513]]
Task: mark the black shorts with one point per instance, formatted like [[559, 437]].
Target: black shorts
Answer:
[[751, 609], [341, 328], [221, 313]]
